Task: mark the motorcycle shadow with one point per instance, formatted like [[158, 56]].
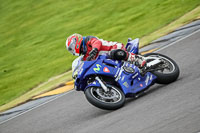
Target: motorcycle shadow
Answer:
[[153, 89], [147, 92]]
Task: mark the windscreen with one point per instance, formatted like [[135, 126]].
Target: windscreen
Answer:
[[75, 65]]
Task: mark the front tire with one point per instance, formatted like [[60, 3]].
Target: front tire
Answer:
[[166, 77], [111, 100]]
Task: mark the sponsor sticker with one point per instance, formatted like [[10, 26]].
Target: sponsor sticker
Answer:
[[151, 77], [126, 84], [147, 80], [134, 75], [106, 70], [119, 76], [123, 78], [117, 72], [97, 68]]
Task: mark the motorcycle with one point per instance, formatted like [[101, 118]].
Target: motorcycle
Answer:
[[107, 83]]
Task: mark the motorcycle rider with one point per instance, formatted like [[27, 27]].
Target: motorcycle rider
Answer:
[[91, 47]]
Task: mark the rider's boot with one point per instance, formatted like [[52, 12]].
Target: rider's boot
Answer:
[[138, 60]]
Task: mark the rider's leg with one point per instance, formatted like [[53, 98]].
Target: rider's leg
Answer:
[[119, 54], [138, 60]]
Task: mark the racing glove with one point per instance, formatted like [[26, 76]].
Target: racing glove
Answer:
[[92, 54]]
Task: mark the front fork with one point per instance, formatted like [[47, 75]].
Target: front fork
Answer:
[[105, 88]]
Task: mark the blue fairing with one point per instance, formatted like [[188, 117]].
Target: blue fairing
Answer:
[[134, 83], [130, 83], [80, 82], [94, 84], [133, 46], [96, 67]]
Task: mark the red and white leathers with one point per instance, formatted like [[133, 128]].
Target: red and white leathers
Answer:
[[101, 45], [104, 46], [91, 47]]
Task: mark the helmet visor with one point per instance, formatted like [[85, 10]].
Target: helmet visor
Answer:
[[72, 45]]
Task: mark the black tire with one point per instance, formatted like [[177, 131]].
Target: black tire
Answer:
[[166, 78], [92, 98]]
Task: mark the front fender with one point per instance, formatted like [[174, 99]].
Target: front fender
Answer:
[[94, 84]]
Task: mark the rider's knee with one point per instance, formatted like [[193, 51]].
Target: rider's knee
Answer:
[[118, 54]]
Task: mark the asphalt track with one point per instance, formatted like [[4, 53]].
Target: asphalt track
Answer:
[[173, 108]]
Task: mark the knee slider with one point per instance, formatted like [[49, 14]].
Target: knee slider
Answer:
[[118, 54]]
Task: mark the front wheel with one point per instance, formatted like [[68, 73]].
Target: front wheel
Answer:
[[167, 72], [111, 100]]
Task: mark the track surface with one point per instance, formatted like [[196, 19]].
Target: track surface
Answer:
[[173, 108]]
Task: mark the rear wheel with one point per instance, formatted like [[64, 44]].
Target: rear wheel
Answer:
[[168, 71], [111, 100]]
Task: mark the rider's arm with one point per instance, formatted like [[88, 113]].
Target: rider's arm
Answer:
[[96, 46], [96, 43], [92, 54]]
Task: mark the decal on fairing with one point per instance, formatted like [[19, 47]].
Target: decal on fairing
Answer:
[[147, 80], [98, 68], [151, 77], [126, 84], [106, 70], [117, 73], [80, 72], [122, 79], [119, 76], [134, 75]]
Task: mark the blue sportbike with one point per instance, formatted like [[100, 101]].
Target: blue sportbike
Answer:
[[106, 82]]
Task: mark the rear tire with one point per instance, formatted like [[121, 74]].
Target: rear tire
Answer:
[[166, 78], [97, 97]]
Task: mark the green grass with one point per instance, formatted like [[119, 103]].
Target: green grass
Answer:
[[33, 33], [187, 18], [51, 84]]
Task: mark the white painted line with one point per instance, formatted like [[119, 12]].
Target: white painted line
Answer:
[[36, 106], [73, 90], [168, 45]]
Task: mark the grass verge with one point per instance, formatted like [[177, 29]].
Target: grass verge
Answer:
[[42, 88], [185, 19]]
